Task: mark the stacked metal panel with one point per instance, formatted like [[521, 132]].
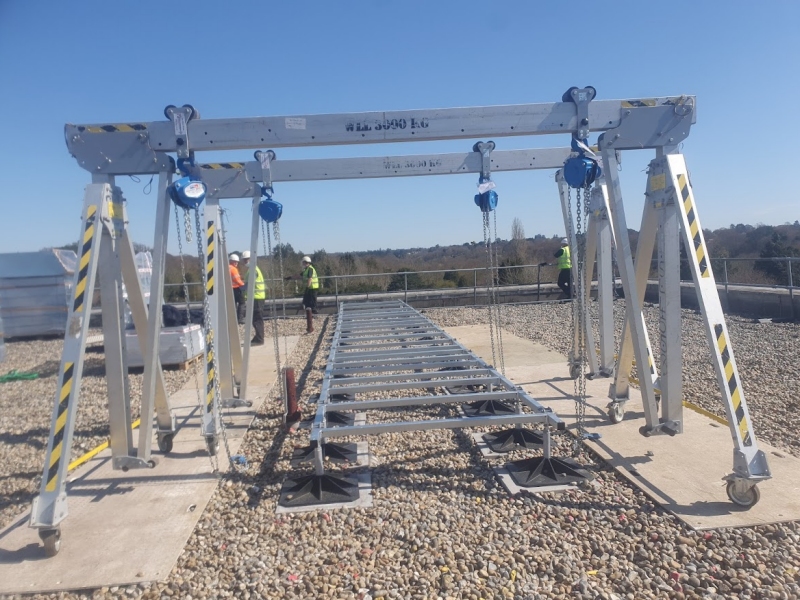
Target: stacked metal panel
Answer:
[[35, 288], [389, 346]]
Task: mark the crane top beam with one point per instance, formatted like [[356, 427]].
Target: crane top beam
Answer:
[[143, 147]]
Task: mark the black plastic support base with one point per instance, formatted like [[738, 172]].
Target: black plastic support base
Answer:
[[338, 453], [541, 471], [342, 397], [513, 439], [311, 490], [487, 408], [339, 419]]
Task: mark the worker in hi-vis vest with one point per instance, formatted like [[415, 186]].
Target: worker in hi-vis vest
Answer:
[[564, 268], [259, 295], [238, 286]]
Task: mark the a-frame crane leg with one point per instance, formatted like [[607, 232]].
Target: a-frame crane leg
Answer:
[[226, 326], [605, 278], [749, 463], [148, 328], [102, 232], [251, 287], [618, 392], [211, 427], [633, 301]]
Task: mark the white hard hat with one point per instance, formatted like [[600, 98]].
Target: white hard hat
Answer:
[[234, 257], [246, 254], [564, 241], [306, 259]]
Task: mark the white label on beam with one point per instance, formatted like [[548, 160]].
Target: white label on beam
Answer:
[[295, 123]]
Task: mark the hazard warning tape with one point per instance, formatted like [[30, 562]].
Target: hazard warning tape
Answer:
[[209, 368], [222, 166], [67, 378], [115, 128], [638, 103], [210, 259], [734, 387], [86, 253], [694, 226]]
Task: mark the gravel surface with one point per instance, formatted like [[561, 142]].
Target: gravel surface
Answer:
[[441, 527]]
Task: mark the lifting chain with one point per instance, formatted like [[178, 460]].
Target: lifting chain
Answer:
[[197, 364], [223, 430], [267, 240], [579, 318], [276, 230], [494, 306]]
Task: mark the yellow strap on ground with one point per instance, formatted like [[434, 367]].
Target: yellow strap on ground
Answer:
[[96, 450]]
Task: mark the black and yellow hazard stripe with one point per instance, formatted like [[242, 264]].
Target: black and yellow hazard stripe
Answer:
[[209, 368], [60, 427], [222, 166], [694, 226], [638, 103], [650, 362], [115, 128], [86, 254], [734, 386], [210, 259]]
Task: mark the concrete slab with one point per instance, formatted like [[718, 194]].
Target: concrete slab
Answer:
[[130, 527], [683, 473]]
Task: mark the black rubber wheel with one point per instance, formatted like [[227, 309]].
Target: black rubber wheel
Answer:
[[195, 114], [212, 444], [616, 413], [51, 538], [165, 443], [166, 110], [475, 147], [743, 499], [567, 97]]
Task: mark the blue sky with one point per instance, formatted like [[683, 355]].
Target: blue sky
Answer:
[[91, 61]]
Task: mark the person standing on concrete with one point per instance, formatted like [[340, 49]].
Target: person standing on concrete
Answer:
[[564, 268], [238, 287], [309, 277], [259, 295]]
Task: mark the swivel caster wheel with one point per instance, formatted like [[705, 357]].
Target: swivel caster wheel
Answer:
[[165, 443], [616, 412], [51, 538], [741, 494]]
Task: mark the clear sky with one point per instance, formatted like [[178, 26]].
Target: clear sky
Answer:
[[93, 61]]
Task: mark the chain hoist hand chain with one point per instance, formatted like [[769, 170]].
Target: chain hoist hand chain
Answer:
[[580, 381], [273, 311], [498, 304], [217, 393], [197, 379], [276, 228], [488, 243]]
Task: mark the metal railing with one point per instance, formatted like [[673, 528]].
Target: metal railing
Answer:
[[727, 271]]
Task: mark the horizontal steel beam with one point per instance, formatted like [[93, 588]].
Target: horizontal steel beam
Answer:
[[142, 147], [404, 367], [430, 376], [379, 428], [410, 385], [361, 405]]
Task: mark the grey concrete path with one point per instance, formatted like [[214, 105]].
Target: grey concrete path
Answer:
[[682, 473], [129, 527]]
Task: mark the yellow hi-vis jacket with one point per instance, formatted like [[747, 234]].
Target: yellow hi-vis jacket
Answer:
[[311, 272], [565, 261], [260, 291]]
